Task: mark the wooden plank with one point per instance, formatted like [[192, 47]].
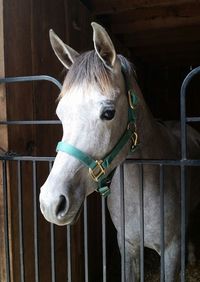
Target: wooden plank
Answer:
[[79, 30], [168, 60], [148, 13], [18, 61], [159, 37], [3, 148], [157, 23], [99, 7], [168, 49]]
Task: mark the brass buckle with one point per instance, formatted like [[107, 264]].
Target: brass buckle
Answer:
[[97, 171], [130, 100]]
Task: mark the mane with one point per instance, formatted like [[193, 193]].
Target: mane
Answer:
[[89, 68]]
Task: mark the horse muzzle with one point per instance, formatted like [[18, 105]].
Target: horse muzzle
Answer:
[[55, 209]]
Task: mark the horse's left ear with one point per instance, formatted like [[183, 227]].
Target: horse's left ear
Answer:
[[103, 45]]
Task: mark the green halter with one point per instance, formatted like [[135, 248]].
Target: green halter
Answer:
[[98, 168]]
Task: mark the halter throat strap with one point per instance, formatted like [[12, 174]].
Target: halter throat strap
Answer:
[[98, 168]]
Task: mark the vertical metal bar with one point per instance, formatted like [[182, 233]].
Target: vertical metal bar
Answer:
[[141, 197], [69, 257], [103, 204], [183, 124], [183, 170], [52, 232], [183, 222], [53, 272], [184, 86], [86, 240], [35, 215], [21, 233], [162, 226], [183, 110], [5, 196], [122, 213]]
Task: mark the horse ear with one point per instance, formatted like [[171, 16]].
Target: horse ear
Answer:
[[65, 54], [103, 45]]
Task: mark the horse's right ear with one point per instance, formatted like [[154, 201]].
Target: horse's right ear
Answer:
[[103, 45], [65, 54]]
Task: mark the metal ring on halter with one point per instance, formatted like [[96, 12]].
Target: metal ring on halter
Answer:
[[131, 103], [134, 136], [129, 126], [134, 140]]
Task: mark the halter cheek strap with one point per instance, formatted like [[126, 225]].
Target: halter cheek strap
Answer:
[[98, 168]]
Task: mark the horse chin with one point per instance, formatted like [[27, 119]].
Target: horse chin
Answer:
[[76, 217]]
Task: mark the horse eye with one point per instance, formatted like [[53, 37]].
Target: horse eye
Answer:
[[108, 114]]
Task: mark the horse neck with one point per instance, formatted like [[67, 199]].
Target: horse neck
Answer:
[[147, 129]]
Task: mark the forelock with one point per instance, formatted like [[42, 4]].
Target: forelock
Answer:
[[88, 69]]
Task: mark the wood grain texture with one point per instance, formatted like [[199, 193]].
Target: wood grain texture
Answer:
[[3, 149], [99, 7], [150, 26], [157, 19]]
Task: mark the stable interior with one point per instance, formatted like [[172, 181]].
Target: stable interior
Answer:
[[161, 38]]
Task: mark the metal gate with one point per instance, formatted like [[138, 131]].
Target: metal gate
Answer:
[[6, 158]]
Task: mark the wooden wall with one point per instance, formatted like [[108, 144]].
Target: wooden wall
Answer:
[[3, 144]]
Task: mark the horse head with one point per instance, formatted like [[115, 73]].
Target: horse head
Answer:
[[93, 109]]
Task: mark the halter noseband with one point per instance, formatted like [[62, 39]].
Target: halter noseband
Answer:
[[97, 168]]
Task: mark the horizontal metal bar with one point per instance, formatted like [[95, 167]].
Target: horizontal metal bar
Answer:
[[31, 78], [26, 158], [186, 162], [24, 122], [193, 119]]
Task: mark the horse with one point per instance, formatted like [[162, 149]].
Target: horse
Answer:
[[104, 116]]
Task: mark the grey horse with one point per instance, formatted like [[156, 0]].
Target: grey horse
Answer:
[[93, 108]]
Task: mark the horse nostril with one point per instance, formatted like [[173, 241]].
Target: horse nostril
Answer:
[[62, 207]]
